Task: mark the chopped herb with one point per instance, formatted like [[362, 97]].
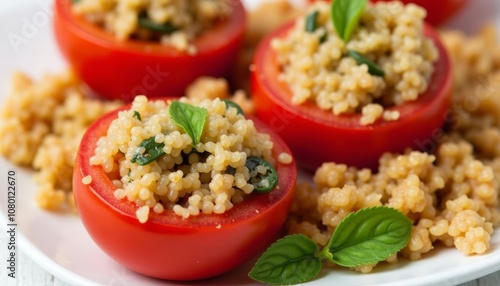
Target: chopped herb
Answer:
[[153, 151], [230, 170], [263, 183], [147, 23], [137, 115], [190, 118], [373, 68], [345, 16], [311, 22], [364, 237], [312, 25], [229, 103]]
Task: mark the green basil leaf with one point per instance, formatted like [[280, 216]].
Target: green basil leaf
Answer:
[[153, 151], [311, 22], [291, 260], [373, 68], [229, 103], [368, 236], [263, 183], [190, 118], [345, 16], [147, 23], [137, 115]]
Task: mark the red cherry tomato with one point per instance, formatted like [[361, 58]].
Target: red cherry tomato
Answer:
[[437, 11], [122, 69], [316, 136], [168, 246]]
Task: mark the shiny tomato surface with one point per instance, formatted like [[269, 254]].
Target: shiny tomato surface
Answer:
[[316, 136], [168, 246], [117, 69]]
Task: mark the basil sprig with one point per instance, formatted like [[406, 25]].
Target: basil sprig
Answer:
[[373, 68], [153, 151], [364, 237], [190, 118], [345, 16], [147, 23]]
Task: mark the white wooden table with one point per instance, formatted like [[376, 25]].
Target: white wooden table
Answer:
[[29, 273]]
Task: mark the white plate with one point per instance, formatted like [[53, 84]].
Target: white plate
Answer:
[[60, 244]]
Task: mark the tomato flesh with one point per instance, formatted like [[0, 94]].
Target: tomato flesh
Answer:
[[316, 136], [168, 246], [117, 69]]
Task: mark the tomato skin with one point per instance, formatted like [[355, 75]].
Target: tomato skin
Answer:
[[170, 247], [117, 69], [316, 136]]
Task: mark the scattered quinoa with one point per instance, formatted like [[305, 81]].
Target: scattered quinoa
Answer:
[[450, 193], [41, 123], [390, 34], [209, 177], [185, 20]]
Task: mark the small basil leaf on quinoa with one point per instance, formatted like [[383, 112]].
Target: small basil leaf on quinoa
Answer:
[[190, 118], [291, 260], [368, 236], [345, 16], [311, 22], [137, 115], [165, 28], [229, 103], [263, 182], [364, 237], [373, 68], [152, 151]]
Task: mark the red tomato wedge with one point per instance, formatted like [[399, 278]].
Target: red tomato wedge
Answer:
[[117, 69], [168, 246], [316, 136]]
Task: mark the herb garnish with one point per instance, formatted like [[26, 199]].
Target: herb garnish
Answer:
[[345, 16], [373, 68], [364, 237], [137, 115], [153, 151], [263, 183], [311, 22], [147, 23], [229, 103], [190, 118]]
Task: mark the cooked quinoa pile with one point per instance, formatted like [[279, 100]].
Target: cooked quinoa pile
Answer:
[[41, 123], [207, 178], [317, 68], [451, 193], [183, 20]]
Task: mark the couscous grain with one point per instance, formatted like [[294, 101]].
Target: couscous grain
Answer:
[[316, 65], [450, 193], [189, 178], [184, 20]]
